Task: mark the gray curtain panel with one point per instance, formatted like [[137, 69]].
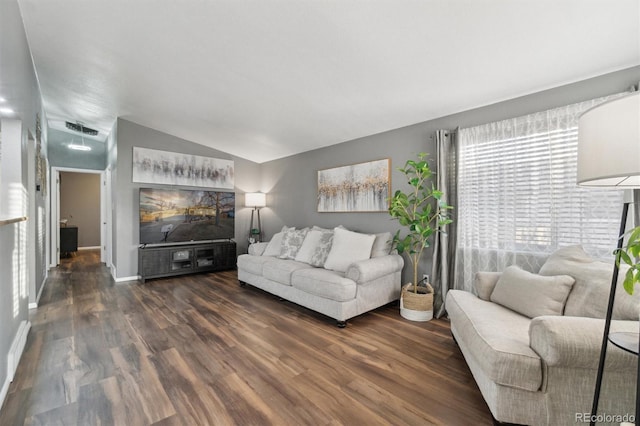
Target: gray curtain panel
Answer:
[[444, 248]]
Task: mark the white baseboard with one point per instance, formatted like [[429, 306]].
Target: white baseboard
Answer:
[[14, 355], [44, 282], [4, 390], [88, 248], [122, 279]]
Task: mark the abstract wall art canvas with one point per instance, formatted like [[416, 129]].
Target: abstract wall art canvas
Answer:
[[173, 168], [363, 187]]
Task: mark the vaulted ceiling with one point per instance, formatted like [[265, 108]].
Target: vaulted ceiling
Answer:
[[264, 79]]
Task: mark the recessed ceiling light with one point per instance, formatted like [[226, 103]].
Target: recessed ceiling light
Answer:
[[79, 147], [2, 99], [6, 111]]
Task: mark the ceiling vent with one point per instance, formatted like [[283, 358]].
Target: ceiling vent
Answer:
[[78, 127]]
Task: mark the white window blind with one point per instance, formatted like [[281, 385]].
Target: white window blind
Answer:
[[518, 200]]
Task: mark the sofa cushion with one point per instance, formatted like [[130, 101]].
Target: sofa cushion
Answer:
[[348, 247], [324, 283], [498, 338], [590, 294], [530, 294], [252, 264], [292, 240], [280, 270]]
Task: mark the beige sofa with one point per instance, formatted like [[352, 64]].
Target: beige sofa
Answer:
[[340, 276], [541, 369]]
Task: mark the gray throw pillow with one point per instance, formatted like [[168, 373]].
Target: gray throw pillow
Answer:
[[532, 295]]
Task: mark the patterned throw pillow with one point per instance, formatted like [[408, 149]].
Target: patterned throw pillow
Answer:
[[323, 247], [292, 240]]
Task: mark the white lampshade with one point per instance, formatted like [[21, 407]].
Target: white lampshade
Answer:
[[609, 144], [255, 199]]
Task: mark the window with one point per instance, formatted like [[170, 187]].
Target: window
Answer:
[[518, 200]]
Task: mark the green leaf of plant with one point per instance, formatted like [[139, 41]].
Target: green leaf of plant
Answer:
[[629, 281], [625, 257]]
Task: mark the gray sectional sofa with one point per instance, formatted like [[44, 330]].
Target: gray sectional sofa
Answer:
[[338, 273], [532, 341]]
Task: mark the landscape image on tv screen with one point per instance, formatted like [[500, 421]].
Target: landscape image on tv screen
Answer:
[[180, 215]]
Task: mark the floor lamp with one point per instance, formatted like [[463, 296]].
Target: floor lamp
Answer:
[[609, 156], [256, 200]]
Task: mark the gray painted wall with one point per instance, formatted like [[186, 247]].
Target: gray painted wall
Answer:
[[61, 156], [20, 87], [291, 183], [80, 205], [129, 134]]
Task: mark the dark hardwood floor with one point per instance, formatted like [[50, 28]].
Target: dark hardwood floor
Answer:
[[201, 350]]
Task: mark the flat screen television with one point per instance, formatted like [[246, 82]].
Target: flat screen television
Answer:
[[183, 215]]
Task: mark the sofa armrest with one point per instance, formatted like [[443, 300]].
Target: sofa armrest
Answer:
[[256, 249], [484, 283], [576, 342], [370, 269]]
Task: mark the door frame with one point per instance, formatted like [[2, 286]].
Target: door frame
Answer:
[[105, 187]]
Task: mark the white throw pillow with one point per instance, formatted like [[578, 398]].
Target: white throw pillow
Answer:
[[348, 247], [308, 248], [530, 294], [275, 245]]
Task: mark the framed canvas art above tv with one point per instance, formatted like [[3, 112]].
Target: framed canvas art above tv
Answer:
[[174, 168]]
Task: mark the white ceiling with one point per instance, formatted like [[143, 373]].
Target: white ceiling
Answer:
[[265, 79]]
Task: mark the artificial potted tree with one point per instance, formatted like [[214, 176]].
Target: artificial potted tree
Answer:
[[423, 212]]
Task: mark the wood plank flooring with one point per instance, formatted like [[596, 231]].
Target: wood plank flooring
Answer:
[[201, 350]]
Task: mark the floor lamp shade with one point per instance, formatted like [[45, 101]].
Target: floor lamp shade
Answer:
[[255, 199], [609, 144], [609, 156]]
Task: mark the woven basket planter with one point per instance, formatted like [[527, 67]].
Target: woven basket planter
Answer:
[[416, 306]]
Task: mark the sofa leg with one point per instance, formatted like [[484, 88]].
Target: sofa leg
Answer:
[[242, 283], [341, 324]]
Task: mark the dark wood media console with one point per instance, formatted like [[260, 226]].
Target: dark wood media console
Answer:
[[168, 261]]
